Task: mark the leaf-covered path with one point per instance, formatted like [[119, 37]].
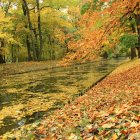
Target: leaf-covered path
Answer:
[[109, 111]]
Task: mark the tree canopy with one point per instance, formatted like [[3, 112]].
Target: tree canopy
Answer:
[[106, 25], [34, 29], [82, 29]]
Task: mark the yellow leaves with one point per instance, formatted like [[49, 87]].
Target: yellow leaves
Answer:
[[104, 125], [8, 38], [74, 11], [114, 137], [106, 42], [92, 138], [72, 137], [12, 90], [4, 21], [48, 10], [108, 125]]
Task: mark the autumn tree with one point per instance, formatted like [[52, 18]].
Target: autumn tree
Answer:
[[105, 23], [6, 30], [36, 29]]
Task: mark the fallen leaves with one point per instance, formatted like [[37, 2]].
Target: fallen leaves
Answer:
[[108, 125], [134, 136], [108, 111], [114, 137], [115, 114]]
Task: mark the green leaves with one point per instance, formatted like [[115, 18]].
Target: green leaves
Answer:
[[129, 40], [85, 8]]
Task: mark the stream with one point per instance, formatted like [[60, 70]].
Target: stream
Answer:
[[27, 97]]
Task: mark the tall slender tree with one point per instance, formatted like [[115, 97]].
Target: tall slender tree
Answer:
[[39, 28]]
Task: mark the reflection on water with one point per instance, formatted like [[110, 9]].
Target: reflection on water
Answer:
[[29, 96]]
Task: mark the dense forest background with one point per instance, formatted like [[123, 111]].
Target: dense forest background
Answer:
[[34, 30]]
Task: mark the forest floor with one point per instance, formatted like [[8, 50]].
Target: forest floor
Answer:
[[108, 111]]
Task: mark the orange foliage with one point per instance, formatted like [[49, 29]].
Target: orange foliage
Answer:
[[97, 26]]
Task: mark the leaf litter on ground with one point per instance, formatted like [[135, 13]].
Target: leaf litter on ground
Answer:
[[108, 111]]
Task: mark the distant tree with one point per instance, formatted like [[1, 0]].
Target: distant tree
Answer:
[[29, 29]]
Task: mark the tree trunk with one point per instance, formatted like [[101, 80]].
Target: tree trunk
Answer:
[[2, 60], [2, 57], [105, 55], [138, 28], [30, 27], [28, 45], [36, 44], [133, 49], [28, 49], [138, 49], [133, 53], [39, 28], [50, 45]]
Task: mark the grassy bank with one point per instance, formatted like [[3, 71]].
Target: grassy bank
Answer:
[[109, 111]]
